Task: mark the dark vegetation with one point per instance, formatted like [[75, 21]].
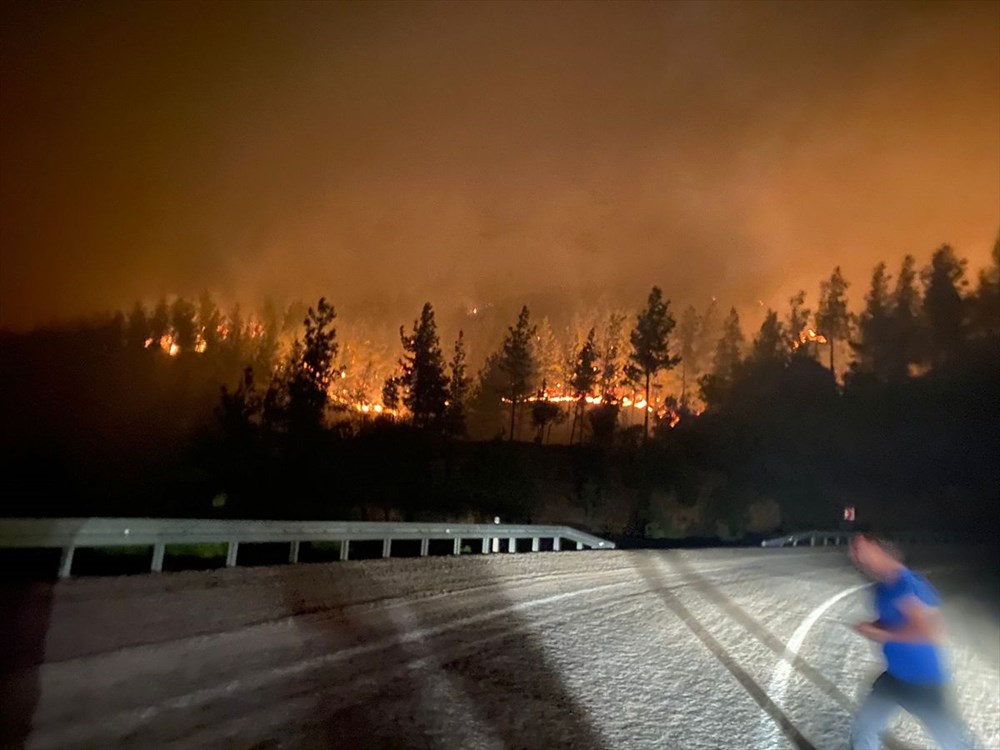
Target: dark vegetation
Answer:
[[894, 410]]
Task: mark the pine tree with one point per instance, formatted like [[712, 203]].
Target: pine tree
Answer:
[[159, 321], [548, 354], [544, 413], [986, 303], [770, 345], [944, 308], [726, 364], [137, 331], [311, 369], [390, 394], [650, 346], [458, 390], [833, 318], [905, 324], [797, 324], [875, 328], [182, 314], [584, 379], [688, 331], [610, 358], [517, 363], [425, 386], [209, 320]]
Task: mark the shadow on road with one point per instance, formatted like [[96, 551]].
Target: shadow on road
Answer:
[[469, 677], [25, 614]]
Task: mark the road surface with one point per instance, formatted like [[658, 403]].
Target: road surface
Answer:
[[737, 648]]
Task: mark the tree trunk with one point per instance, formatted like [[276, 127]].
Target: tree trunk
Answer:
[[645, 414], [513, 413], [832, 371]]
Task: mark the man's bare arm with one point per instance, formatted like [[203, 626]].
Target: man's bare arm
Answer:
[[923, 624]]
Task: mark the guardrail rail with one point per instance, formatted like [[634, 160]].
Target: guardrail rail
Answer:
[[70, 534], [825, 538]]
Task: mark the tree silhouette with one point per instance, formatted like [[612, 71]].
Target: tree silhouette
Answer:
[[905, 324], [159, 321], [137, 329], [688, 332], [985, 314], [312, 366], [650, 346], [425, 386], [458, 390], [390, 394], [544, 413], [547, 353], [517, 363], [209, 320], [182, 314], [770, 345], [715, 386], [833, 318], [797, 323], [875, 329], [944, 306], [584, 379], [610, 364]]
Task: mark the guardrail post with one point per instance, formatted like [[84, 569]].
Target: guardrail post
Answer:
[[231, 554], [579, 544], [812, 540], [345, 549], [387, 547], [536, 544], [486, 545], [158, 552], [66, 562], [456, 548], [556, 543], [293, 552], [425, 547]]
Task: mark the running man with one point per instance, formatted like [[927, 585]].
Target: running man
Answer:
[[910, 630]]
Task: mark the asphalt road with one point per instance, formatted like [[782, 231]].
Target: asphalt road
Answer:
[[736, 648]]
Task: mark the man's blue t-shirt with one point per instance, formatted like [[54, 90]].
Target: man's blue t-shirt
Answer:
[[918, 663]]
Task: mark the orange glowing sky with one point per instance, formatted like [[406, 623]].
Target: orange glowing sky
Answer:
[[384, 154]]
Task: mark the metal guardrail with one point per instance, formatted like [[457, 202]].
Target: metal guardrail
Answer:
[[810, 539], [69, 534], [825, 538]]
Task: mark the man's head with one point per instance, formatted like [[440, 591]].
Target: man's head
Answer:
[[875, 556]]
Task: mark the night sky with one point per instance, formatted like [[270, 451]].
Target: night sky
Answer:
[[384, 154]]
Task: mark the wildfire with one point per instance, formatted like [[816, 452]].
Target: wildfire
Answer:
[[810, 336]]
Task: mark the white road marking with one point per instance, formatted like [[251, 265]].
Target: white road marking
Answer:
[[778, 686]]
